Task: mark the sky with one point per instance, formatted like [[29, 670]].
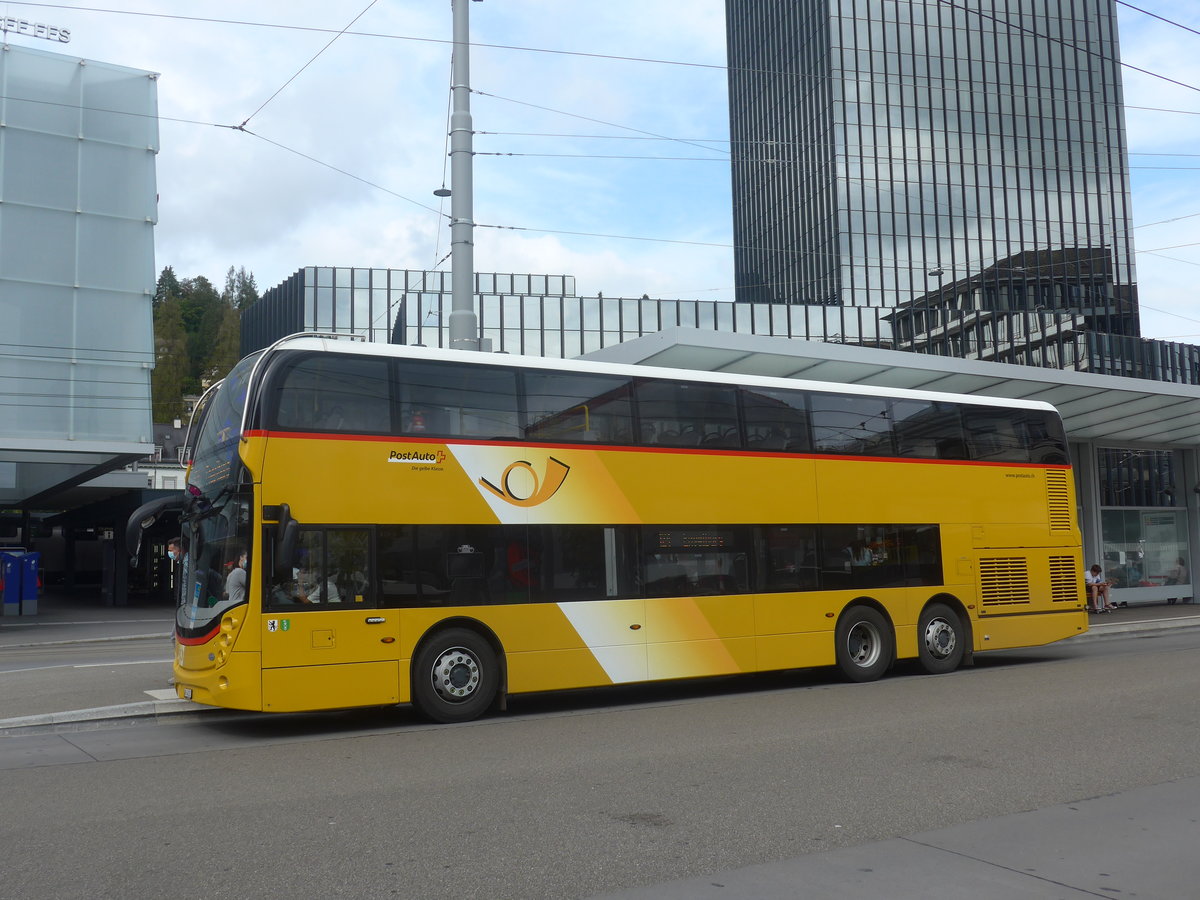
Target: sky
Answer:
[[342, 144]]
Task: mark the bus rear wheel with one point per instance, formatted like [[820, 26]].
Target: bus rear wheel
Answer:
[[455, 676], [942, 641], [865, 644]]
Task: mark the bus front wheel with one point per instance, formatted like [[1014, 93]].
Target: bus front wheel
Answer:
[[865, 644], [942, 641], [455, 676]]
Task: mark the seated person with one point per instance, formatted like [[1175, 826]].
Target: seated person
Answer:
[[306, 587], [1099, 590]]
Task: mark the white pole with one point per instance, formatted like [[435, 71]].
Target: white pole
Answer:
[[464, 323]]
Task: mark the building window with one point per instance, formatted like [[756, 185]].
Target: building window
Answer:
[[1143, 547], [1142, 536], [1133, 478]]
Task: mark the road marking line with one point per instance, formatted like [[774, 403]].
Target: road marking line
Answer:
[[136, 662]]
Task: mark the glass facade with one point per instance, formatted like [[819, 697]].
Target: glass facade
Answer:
[[412, 307], [947, 160], [1143, 522], [405, 306], [78, 203]]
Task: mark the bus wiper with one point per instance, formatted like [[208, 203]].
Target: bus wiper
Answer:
[[197, 506]]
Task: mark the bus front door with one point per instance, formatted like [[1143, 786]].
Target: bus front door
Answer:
[[330, 655]]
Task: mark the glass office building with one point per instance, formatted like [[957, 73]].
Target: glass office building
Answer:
[[78, 203], [534, 315], [961, 170], [955, 157]]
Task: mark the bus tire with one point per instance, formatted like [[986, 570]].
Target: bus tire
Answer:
[[455, 676], [865, 644], [941, 639]]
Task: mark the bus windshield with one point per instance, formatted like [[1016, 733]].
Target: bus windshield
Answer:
[[216, 519], [218, 424], [216, 565]]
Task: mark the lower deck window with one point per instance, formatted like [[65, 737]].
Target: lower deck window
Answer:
[[469, 565]]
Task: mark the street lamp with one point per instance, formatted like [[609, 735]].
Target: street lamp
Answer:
[[464, 323]]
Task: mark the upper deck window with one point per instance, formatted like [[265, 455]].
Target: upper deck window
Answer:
[[458, 400], [678, 414], [1014, 435], [776, 419], [928, 430], [329, 392], [570, 407], [843, 423]]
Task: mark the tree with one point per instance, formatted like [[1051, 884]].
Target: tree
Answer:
[[197, 334], [226, 349], [168, 383], [166, 288], [240, 290], [202, 314]]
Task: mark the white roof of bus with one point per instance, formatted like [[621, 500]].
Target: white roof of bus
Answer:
[[363, 348]]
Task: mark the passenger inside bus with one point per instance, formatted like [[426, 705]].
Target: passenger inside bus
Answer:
[[312, 588], [306, 586]]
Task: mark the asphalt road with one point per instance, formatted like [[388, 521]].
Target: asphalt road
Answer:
[[584, 794]]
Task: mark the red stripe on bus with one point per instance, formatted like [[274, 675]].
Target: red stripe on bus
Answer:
[[203, 639], [627, 448]]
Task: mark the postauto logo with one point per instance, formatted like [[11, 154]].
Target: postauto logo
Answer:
[[543, 488], [409, 455]]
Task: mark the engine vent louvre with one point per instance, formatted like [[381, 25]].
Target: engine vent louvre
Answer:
[[1003, 581], [1065, 579], [1058, 499]]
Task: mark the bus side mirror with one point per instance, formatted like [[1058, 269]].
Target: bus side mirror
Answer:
[[287, 534], [142, 518]]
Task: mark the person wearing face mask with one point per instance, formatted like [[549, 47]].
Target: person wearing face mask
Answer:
[[235, 583], [175, 555]]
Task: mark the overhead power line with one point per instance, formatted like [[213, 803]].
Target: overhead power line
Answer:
[[342, 171], [527, 49], [1065, 43], [597, 121], [1147, 12], [246, 120]]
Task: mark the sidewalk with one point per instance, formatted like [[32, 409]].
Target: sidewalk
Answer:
[[40, 695], [124, 661]]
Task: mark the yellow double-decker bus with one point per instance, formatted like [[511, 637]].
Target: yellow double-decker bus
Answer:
[[371, 525]]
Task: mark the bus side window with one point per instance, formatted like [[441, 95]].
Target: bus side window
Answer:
[[458, 399], [330, 392], [927, 430], [776, 420], [349, 564], [994, 435], [680, 414], [570, 407], [852, 425]]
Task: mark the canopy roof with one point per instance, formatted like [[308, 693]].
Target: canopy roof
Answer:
[[1093, 407]]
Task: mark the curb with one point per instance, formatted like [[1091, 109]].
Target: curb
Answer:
[[139, 710], [1145, 627], [94, 640]]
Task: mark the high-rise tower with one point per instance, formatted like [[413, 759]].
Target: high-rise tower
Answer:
[[932, 154]]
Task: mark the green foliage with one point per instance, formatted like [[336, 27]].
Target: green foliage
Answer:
[[167, 287], [168, 383], [240, 289], [225, 349], [197, 332]]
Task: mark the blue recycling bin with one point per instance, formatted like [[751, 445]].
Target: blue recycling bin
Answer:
[[29, 563], [10, 573]]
